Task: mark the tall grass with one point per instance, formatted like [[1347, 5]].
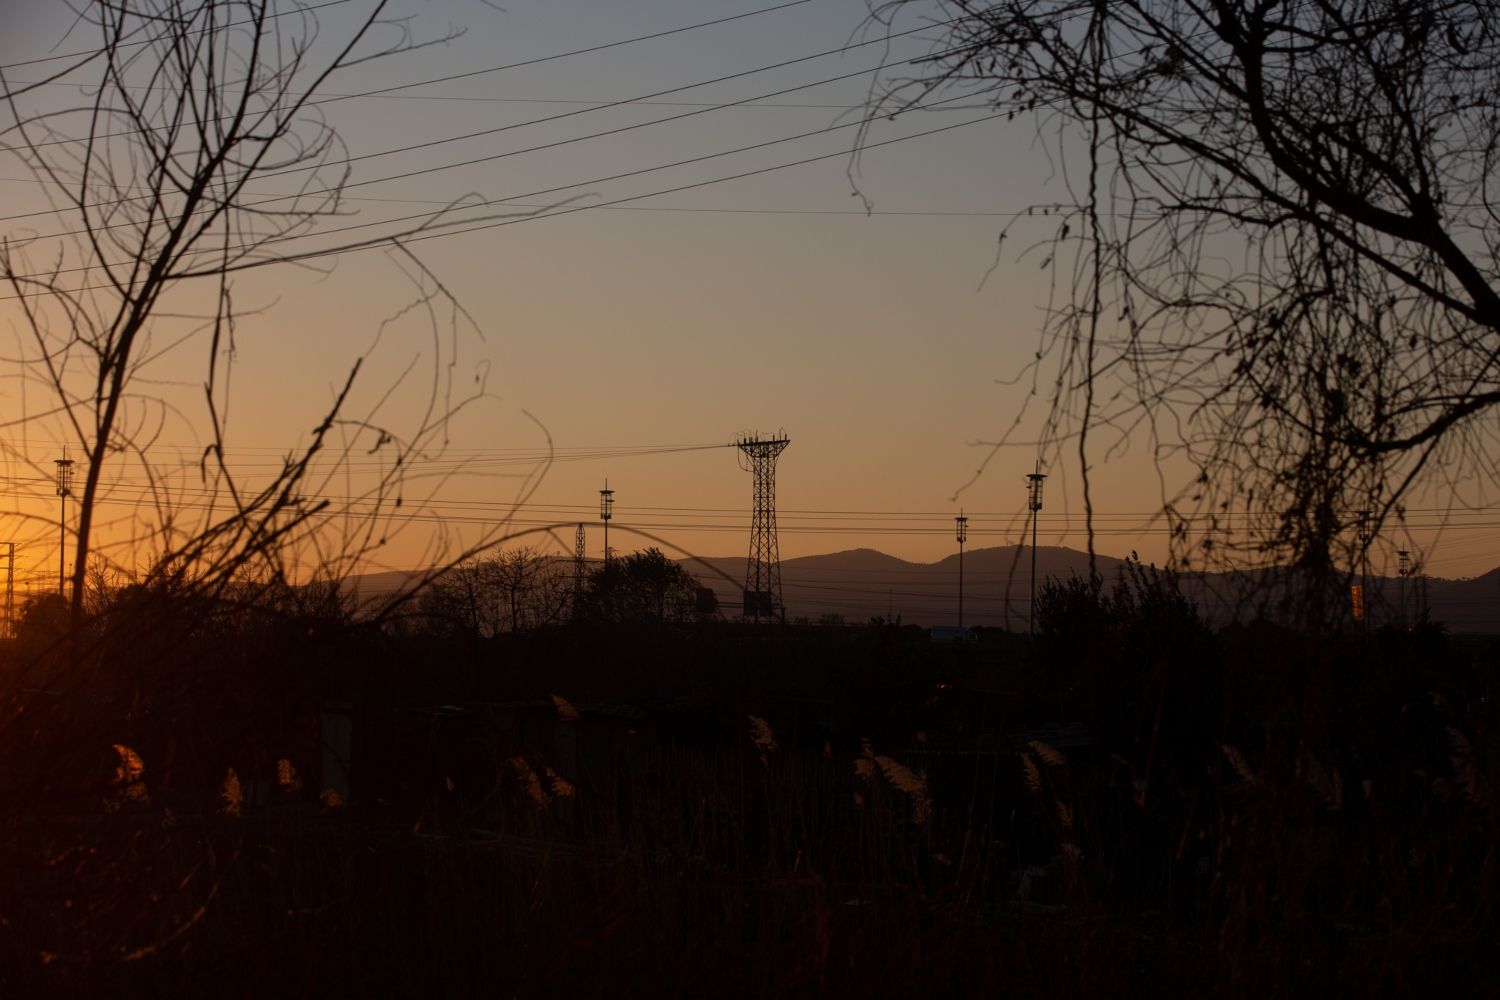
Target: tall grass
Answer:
[[802, 827]]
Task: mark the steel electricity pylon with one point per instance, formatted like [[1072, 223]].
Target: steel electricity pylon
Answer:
[[10, 590], [763, 572], [580, 558]]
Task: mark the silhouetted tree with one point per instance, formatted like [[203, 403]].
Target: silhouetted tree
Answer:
[[513, 590], [643, 587], [181, 146], [41, 623], [173, 146], [1279, 240]]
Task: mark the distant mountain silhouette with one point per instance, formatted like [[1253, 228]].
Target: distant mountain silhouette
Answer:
[[859, 584]]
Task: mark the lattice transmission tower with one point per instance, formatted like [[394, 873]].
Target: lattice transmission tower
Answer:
[[580, 558], [763, 573], [10, 589]]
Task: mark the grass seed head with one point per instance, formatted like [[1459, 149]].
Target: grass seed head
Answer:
[[913, 784], [1326, 782], [1238, 762], [1050, 755], [763, 738], [530, 783], [231, 794], [561, 787], [1465, 774], [1031, 775], [287, 777], [131, 768]]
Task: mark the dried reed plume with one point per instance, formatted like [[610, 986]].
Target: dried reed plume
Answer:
[[530, 783], [560, 787], [1325, 781], [763, 738], [129, 779], [232, 795], [901, 777], [1464, 772], [910, 782], [1050, 755], [287, 777], [1238, 762], [131, 767], [1031, 775]]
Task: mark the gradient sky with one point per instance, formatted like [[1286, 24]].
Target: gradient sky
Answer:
[[882, 341]]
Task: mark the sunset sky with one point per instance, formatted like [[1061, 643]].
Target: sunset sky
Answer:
[[860, 305]]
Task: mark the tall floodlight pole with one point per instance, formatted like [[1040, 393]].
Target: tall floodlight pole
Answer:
[[762, 595], [64, 488], [962, 524], [606, 511], [1034, 504]]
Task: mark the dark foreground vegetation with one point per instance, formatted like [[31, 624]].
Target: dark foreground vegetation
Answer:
[[266, 796]]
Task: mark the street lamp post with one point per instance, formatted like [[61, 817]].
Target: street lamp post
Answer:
[[962, 524], [1034, 504], [64, 489]]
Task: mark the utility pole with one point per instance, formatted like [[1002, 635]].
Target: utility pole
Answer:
[[1402, 572], [1364, 567], [962, 523], [64, 489], [606, 511], [1034, 504], [762, 596]]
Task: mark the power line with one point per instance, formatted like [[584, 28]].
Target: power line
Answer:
[[1479, 517], [538, 60], [537, 514], [970, 213], [381, 91], [660, 93], [431, 231], [1475, 517], [705, 109], [89, 54], [853, 212], [445, 230], [596, 104], [422, 235], [884, 39]]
